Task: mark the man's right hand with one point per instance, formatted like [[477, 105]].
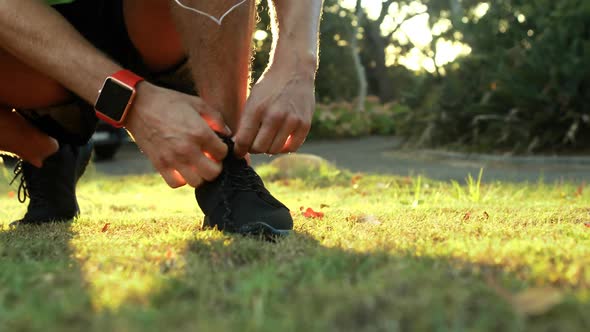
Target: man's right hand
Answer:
[[176, 131]]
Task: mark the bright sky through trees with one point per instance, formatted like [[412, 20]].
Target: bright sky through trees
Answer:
[[418, 31]]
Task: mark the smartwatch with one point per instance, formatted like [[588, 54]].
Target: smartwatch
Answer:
[[116, 97]]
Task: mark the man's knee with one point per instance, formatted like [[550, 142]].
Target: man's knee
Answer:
[[23, 87], [153, 32], [35, 92]]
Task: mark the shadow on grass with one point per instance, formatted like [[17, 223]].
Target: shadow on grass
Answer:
[[239, 284], [41, 285], [300, 285]]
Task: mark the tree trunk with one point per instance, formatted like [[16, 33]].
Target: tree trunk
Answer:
[[358, 63], [376, 46]]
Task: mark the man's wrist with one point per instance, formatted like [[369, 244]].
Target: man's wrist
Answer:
[[116, 97], [304, 62]]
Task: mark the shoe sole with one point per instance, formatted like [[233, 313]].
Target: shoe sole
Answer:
[[256, 229]]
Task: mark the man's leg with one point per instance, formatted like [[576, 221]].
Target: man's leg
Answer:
[[24, 87], [220, 56], [51, 188], [21, 138]]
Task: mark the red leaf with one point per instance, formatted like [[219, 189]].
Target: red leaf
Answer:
[[310, 213], [587, 224], [169, 254], [355, 179], [467, 216], [105, 227], [486, 215]]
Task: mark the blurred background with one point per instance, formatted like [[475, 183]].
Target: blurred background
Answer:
[[509, 76], [439, 87]]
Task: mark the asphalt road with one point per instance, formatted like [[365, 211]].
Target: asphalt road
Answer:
[[384, 155]]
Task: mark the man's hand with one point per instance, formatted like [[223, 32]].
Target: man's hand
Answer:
[[176, 132], [278, 113]]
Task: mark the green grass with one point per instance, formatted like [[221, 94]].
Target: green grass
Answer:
[[391, 254]]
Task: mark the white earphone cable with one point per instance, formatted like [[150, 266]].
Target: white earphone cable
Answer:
[[219, 21]]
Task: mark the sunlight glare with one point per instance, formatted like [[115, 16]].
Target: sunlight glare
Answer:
[[417, 31]]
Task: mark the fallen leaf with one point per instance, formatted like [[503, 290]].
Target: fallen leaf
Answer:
[[301, 208], [310, 213], [169, 253], [486, 216], [407, 181], [536, 301], [11, 194], [322, 206], [169, 262], [105, 227], [355, 179], [587, 224], [467, 216]]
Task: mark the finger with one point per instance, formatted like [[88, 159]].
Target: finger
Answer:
[[247, 131], [173, 178], [269, 129], [204, 167], [212, 145], [213, 118], [289, 127], [296, 140], [190, 174]]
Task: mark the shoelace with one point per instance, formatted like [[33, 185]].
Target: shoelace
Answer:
[[23, 191], [239, 179]]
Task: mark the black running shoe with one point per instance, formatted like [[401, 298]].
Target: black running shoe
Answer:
[[52, 188], [238, 202]]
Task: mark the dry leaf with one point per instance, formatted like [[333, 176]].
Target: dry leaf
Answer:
[[310, 213], [169, 262], [587, 224], [105, 227], [536, 301], [169, 253], [486, 216], [355, 179], [467, 216]]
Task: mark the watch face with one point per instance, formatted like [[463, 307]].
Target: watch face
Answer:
[[114, 98]]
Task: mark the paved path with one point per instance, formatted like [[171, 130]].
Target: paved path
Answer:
[[383, 155]]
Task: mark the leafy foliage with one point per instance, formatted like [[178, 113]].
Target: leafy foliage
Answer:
[[338, 119], [524, 88]]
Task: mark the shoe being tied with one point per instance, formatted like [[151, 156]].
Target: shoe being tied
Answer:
[[51, 189], [238, 202]]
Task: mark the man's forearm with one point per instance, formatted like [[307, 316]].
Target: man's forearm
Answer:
[[38, 36], [296, 31]]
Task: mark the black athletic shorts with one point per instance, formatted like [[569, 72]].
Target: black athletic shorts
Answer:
[[102, 23]]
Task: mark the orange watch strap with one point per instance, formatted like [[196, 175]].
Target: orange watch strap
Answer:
[[128, 77]]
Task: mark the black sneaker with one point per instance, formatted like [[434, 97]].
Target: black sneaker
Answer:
[[238, 202], [52, 188]]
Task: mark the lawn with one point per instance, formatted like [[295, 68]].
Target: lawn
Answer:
[[389, 254]]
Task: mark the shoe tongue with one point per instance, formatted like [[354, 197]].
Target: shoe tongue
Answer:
[[231, 162]]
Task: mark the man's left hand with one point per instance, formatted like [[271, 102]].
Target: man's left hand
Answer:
[[278, 113]]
